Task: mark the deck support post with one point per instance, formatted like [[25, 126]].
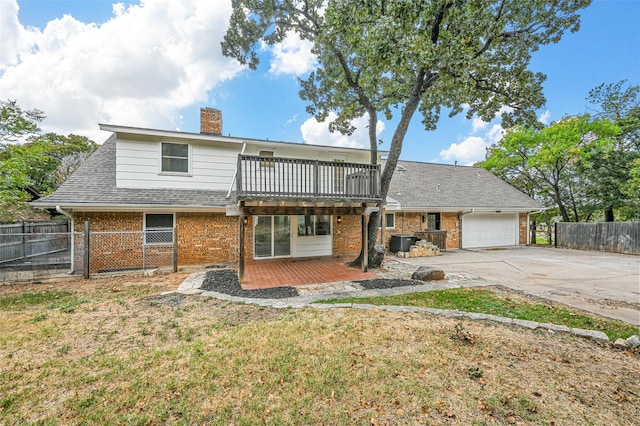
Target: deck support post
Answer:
[[86, 260], [241, 219], [365, 244]]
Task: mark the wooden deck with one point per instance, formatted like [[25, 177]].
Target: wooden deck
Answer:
[[275, 178]]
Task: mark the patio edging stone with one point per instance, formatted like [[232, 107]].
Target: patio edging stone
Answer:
[[191, 286]]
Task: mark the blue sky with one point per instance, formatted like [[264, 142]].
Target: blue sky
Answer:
[[155, 63]]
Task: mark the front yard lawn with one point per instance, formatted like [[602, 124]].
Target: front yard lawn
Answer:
[[505, 303], [117, 351]]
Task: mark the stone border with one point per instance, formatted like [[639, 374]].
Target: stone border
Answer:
[[191, 286], [598, 336]]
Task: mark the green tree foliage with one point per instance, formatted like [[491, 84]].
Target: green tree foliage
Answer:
[[631, 189], [15, 123], [39, 165], [610, 171], [550, 163], [399, 57]]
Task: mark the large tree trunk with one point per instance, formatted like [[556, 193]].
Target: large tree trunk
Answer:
[[608, 215], [387, 173]]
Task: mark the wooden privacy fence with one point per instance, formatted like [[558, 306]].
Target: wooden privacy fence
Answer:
[[30, 239], [614, 237]]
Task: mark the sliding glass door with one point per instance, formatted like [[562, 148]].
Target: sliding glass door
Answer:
[[271, 236]]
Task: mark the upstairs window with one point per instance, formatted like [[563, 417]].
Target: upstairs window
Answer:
[[268, 154], [175, 157], [158, 228]]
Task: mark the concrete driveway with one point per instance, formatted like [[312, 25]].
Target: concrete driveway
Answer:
[[604, 283]]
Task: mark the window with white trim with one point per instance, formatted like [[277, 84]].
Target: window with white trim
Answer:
[[175, 158], [310, 225], [158, 228], [390, 220]]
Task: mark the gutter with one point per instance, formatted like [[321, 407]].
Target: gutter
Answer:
[[467, 212], [73, 251], [233, 181]]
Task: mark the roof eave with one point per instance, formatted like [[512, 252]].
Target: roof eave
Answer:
[[466, 208], [220, 138], [132, 207]]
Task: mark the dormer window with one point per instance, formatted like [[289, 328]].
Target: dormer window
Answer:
[[175, 158]]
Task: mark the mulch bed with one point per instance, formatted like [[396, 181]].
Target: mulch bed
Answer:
[[380, 283], [226, 281]]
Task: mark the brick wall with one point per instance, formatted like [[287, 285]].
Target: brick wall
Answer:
[[347, 235], [408, 222], [203, 238], [450, 222], [524, 228], [113, 252], [109, 221]]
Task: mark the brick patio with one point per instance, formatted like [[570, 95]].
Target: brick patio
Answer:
[[285, 272]]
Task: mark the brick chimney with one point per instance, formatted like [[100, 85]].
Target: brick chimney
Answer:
[[210, 121]]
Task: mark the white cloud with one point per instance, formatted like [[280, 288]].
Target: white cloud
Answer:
[[467, 152], [293, 119], [545, 117], [292, 56], [139, 68], [316, 133], [478, 124], [495, 134], [503, 109], [15, 39]]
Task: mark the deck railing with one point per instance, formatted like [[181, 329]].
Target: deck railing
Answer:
[[260, 178]]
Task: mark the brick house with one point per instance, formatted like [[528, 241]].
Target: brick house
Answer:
[[231, 199]]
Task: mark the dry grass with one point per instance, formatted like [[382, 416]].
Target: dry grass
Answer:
[[124, 355]]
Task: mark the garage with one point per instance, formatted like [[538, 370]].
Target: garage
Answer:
[[489, 230]]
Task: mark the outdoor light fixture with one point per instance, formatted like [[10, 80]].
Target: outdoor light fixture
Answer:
[[246, 220], [339, 219], [424, 219]]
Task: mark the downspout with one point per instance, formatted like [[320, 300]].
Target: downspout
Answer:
[[233, 181], [460, 218], [72, 236]]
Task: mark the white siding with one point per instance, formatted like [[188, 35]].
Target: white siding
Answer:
[[311, 246], [321, 153], [211, 167], [212, 164]]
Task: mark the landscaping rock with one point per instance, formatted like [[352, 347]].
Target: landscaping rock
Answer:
[[590, 334], [423, 248], [426, 273], [621, 344], [555, 328], [633, 341], [528, 324]]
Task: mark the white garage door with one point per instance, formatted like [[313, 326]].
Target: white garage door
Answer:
[[489, 230]]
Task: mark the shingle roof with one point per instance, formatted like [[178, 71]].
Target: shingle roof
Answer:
[[424, 186], [448, 187], [94, 183]]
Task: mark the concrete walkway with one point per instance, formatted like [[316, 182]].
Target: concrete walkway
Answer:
[[607, 284]]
